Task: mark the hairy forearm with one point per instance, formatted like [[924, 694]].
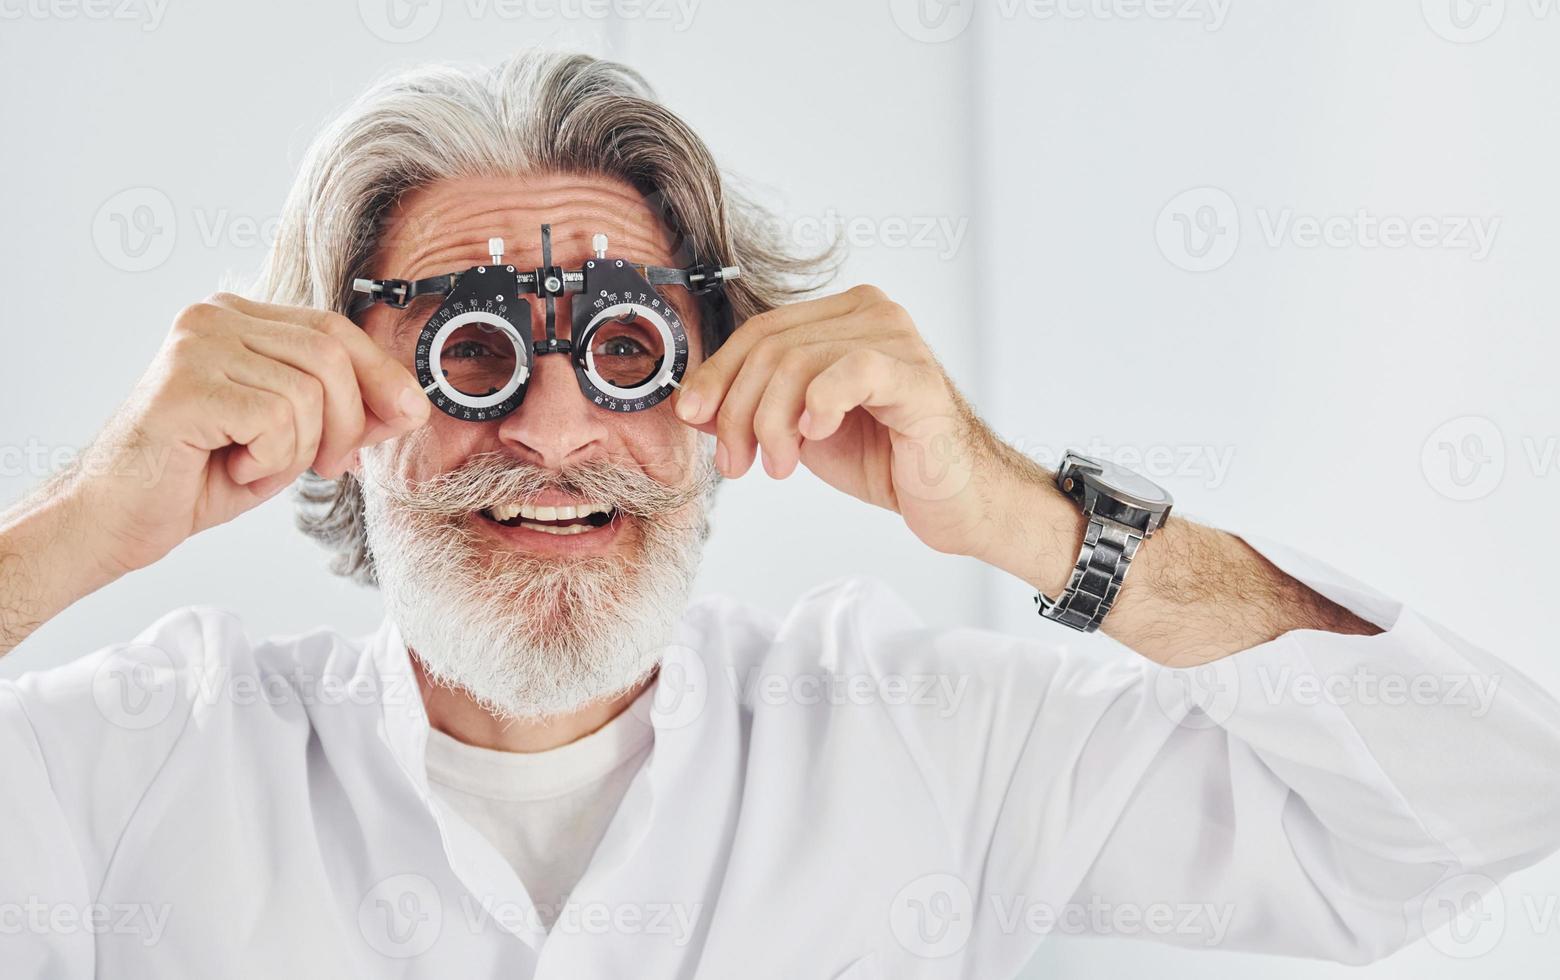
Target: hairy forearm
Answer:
[[44, 564], [1193, 593]]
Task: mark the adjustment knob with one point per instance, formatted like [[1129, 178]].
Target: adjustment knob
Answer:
[[598, 242], [496, 249]]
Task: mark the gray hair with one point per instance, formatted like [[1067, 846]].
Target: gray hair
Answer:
[[539, 112]]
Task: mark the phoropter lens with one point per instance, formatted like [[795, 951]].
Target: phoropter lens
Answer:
[[478, 359], [626, 350]]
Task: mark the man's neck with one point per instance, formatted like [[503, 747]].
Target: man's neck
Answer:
[[454, 713]]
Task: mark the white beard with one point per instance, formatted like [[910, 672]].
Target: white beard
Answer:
[[527, 636]]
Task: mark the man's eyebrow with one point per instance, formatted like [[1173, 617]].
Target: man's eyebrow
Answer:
[[415, 314]]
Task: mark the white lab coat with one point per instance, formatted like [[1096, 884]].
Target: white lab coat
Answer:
[[844, 793]]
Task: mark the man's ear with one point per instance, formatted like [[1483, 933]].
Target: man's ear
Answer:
[[355, 463]]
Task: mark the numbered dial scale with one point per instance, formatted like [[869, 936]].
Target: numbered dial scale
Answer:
[[475, 356]]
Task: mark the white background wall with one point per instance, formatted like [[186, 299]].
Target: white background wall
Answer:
[[1392, 409]]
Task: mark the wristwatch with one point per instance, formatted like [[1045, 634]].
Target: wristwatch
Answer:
[[1123, 509]]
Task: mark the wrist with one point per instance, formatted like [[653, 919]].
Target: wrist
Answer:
[[1037, 531], [59, 535]]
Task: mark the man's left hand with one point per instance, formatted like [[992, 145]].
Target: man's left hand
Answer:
[[846, 386]]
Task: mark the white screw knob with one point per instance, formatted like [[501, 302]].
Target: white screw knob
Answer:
[[496, 249], [598, 242]]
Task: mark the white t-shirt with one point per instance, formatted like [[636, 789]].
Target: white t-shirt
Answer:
[[545, 812]]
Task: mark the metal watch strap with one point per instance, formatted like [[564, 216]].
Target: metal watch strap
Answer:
[[1108, 548]]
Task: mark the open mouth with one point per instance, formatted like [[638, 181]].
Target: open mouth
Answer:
[[565, 520]]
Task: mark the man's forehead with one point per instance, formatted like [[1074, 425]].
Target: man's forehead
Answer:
[[445, 227]]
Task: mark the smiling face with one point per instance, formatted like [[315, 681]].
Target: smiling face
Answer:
[[538, 561], [445, 228]]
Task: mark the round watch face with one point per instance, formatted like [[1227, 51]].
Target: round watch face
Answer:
[[1122, 482]]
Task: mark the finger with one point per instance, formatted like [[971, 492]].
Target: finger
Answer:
[[388, 387], [734, 421], [303, 393], [326, 360], [780, 405], [864, 378], [713, 393], [706, 385], [261, 429]]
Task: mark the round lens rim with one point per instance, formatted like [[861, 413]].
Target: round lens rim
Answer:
[[436, 343], [656, 381]]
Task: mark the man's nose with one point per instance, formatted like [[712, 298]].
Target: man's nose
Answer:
[[555, 425]]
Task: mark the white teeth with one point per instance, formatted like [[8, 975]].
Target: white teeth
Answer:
[[554, 529], [508, 512]]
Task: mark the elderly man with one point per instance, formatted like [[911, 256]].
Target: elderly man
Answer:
[[549, 762]]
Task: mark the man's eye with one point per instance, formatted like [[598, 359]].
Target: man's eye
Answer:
[[621, 347], [467, 348]]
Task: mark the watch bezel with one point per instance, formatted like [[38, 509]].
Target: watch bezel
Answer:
[[1088, 480]]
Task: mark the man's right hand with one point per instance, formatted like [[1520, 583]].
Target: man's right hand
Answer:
[[240, 400]]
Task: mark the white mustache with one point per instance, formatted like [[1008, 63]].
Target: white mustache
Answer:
[[489, 478]]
